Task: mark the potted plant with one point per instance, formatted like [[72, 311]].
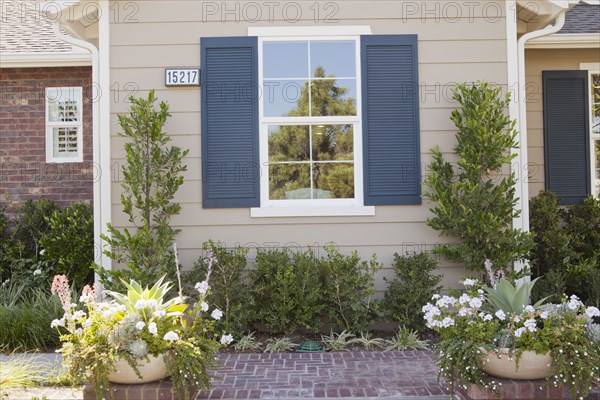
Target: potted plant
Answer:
[[495, 331], [139, 336]]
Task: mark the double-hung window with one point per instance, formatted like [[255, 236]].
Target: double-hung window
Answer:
[[310, 132], [310, 121], [64, 125]]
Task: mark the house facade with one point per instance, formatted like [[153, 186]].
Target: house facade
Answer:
[[312, 123], [45, 112]]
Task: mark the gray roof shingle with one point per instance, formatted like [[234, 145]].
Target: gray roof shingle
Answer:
[[24, 30], [583, 18]]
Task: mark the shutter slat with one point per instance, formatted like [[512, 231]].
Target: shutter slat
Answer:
[[230, 175], [566, 140], [391, 152]]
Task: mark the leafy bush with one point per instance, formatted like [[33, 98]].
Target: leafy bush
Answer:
[[413, 287], [69, 243], [567, 247], [32, 224], [151, 177], [406, 339], [476, 204], [287, 292], [349, 285], [26, 316], [229, 286]]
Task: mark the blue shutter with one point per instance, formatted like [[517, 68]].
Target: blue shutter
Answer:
[[390, 104], [566, 137], [230, 164]]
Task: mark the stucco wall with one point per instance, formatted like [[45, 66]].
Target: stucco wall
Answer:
[[461, 42], [536, 61], [24, 173]]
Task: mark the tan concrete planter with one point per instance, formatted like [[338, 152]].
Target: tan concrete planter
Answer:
[[531, 365], [150, 371]]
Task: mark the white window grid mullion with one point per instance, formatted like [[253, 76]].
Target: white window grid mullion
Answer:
[[74, 94]]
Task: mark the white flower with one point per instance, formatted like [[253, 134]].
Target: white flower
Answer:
[[592, 312], [519, 332], [446, 322], [171, 336], [487, 317], [57, 322], [202, 287], [226, 339], [463, 312], [435, 296], [152, 328], [516, 318], [140, 304], [475, 303], [543, 315], [152, 303], [37, 272], [464, 299], [78, 331], [87, 323], [217, 314], [79, 314], [469, 282], [140, 325], [530, 325], [530, 309], [159, 313], [480, 291], [445, 302], [204, 306], [500, 315], [42, 251]]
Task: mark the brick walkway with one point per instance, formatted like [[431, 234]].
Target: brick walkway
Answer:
[[392, 375]]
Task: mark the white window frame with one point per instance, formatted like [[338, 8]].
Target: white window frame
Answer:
[[314, 207], [52, 93], [593, 69]]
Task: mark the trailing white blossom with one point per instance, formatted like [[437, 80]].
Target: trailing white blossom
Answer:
[[592, 312], [530, 325], [500, 315], [57, 322], [226, 339], [140, 325], [171, 336], [204, 306], [159, 313], [202, 287], [520, 331], [469, 282], [217, 314], [152, 328]]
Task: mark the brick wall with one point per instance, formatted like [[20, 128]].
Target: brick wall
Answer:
[[24, 173]]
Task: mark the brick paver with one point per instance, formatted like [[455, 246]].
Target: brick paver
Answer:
[[396, 374]]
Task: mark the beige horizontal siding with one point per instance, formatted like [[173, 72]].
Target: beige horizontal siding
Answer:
[[536, 62], [167, 34]]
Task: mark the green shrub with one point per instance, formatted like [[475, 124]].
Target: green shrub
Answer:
[[412, 288], [567, 247], [476, 204], [151, 177], [348, 288], [69, 243], [26, 317], [229, 286], [287, 291], [32, 224]]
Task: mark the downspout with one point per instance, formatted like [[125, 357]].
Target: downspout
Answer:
[[523, 158], [96, 168]]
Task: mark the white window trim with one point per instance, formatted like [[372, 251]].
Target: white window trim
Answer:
[[322, 207], [78, 94], [593, 69]]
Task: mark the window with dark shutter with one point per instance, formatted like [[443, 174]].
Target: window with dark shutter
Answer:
[[566, 140], [351, 150]]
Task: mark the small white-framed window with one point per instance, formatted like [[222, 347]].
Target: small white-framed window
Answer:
[[64, 124], [310, 124]]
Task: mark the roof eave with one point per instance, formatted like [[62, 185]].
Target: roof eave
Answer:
[[36, 60]]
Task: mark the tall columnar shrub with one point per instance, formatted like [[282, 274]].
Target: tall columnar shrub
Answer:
[[151, 177], [475, 202], [412, 287]]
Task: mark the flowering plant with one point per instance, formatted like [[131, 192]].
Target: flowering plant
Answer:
[[483, 321], [135, 325]]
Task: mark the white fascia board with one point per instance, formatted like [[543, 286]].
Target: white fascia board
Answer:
[[31, 60], [314, 31], [566, 41]]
